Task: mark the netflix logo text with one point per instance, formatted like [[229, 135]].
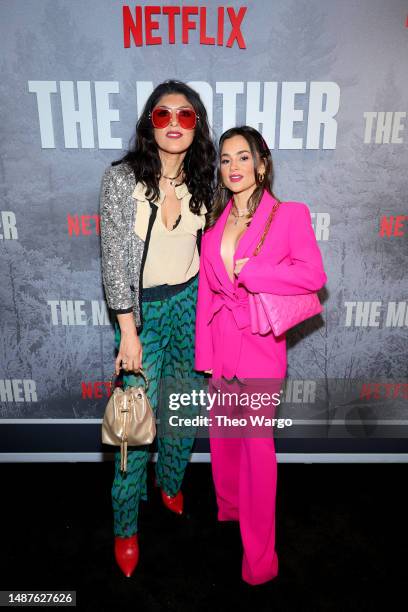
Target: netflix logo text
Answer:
[[382, 390], [96, 389], [84, 225], [153, 25], [393, 226]]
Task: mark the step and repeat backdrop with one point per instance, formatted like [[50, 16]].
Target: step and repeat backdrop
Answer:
[[325, 83]]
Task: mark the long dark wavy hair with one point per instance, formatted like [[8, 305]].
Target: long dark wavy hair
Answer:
[[199, 161], [260, 151]]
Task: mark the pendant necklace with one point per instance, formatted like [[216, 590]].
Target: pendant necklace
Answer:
[[238, 214], [173, 178]]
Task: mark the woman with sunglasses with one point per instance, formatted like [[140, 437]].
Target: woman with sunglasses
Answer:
[[153, 206], [289, 262]]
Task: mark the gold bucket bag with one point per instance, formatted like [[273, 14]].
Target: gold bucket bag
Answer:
[[128, 419]]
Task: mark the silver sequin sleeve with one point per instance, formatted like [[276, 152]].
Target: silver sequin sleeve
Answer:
[[115, 241]]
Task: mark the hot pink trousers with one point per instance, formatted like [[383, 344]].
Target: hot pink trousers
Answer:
[[245, 477]]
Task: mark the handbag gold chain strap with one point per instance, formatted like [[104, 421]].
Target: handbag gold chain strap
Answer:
[[268, 223], [140, 371]]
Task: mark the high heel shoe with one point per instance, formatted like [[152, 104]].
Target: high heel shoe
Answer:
[[175, 504], [127, 554]]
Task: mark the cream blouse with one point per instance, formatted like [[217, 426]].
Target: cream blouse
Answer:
[[172, 255]]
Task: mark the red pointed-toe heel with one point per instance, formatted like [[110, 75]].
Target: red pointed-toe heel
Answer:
[[175, 504], [127, 554]]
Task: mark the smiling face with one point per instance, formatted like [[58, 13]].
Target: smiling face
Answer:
[[173, 138], [237, 165]]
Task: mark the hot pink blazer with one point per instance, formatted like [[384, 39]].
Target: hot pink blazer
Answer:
[[289, 263]]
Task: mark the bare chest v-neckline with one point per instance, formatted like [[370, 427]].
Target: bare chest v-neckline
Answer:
[[232, 252], [177, 221]]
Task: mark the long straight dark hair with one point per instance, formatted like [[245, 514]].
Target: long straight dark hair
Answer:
[[199, 161], [260, 151]]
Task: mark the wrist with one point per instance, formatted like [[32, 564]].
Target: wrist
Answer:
[[127, 325], [129, 332], [128, 329]]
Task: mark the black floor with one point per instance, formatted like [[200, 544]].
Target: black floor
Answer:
[[341, 540]]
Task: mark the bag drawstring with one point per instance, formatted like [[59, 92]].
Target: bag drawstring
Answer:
[[123, 456], [123, 444]]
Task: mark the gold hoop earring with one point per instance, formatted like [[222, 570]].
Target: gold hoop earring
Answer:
[[261, 177]]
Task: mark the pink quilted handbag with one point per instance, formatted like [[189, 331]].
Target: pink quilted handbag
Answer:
[[279, 313]]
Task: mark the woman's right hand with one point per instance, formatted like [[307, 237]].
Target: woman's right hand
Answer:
[[130, 352], [207, 371]]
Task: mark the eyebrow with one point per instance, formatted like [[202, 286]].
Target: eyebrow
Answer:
[[238, 153], [171, 107]]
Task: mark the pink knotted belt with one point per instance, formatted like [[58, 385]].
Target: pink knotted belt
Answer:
[[227, 348]]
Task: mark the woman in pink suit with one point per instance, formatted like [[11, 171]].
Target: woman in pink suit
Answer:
[[244, 469]]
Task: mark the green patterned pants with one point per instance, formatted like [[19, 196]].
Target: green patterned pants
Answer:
[[167, 338]]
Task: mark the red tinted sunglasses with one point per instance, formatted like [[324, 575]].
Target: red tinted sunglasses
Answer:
[[161, 117]]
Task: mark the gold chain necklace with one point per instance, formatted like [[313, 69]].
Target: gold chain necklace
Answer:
[[238, 213]]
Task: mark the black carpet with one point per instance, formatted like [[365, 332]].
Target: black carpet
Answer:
[[341, 541]]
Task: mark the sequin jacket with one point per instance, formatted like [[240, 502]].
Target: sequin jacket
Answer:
[[123, 250]]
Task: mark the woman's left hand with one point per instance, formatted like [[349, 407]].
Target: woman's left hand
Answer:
[[239, 264]]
